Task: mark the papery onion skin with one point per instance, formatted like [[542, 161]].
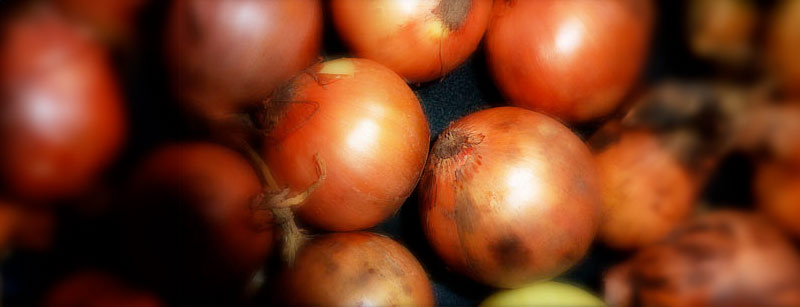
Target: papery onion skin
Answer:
[[226, 55], [355, 269], [509, 196], [189, 223], [724, 258], [646, 190], [574, 60], [62, 119], [420, 40], [97, 289], [367, 126]]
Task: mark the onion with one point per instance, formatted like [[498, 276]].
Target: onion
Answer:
[[96, 289], [420, 40], [509, 196], [777, 192], [723, 30], [62, 120], [226, 55], [723, 258], [114, 21], [783, 46], [368, 128], [188, 221], [573, 59], [355, 269], [544, 294]]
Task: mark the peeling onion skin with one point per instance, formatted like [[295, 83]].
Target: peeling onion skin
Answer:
[[509, 196], [574, 60], [62, 118], [226, 55], [367, 126], [96, 289], [355, 269], [421, 40], [646, 191], [724, 258], [188, 220]]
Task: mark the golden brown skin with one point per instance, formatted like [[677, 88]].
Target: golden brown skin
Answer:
[[62, 119], [783, 46], [574, 59], [722, 30], [509, 196], [355, 269], [777, 191], [421, 40], [96, 289], [724, 258], [646, 191], [228, 54], [367, 126]]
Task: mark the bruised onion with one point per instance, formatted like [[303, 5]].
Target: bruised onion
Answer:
[[61, 117], [97, 289], [723, 258], [364, 123], [573, 59], [420, 40], [355, 269], [646, 190], [188, 220], [226, 55], [509, 196]]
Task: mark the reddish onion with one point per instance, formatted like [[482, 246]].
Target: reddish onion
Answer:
[[509, 196], [189, 223], [61, 117], [96, 289], [111, 20], [720, 259], [225, 55], [573, 59], [355, 269], [420, 40], [777, 192], [9, 219], [365, 123]]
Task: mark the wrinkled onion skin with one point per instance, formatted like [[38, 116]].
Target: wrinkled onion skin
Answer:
[[356, 269], [226, 55], [408, 37], [189, 219], [367, 126], [777, 191], [646, 191], [574, 60], [96, 289], [724, 258], [517, 202], [62, 119]]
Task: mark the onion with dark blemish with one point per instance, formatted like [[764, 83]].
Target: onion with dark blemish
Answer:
[[355, 269], [421, 40], [509, 196], [723, 258]]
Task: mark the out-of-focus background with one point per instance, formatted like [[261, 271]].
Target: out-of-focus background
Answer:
[[721, 84]]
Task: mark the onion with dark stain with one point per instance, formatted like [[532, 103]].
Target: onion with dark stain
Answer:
[[725, 258], [97, 289], [421, 40], [227, 55], [509, 196], [574, 60], [355, 269], [62, 119]]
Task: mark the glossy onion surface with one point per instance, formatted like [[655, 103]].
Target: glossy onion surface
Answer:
[[355, 269], [367, 126], [421, 40], [509, 196], [225, 55], [571, 59]]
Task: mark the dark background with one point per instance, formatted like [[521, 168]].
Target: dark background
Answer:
[[84, 239]]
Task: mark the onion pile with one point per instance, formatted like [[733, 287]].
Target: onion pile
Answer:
[[364, 123], [421, 40], [509, 196]]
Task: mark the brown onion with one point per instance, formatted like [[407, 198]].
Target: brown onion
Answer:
[[783, 46], [355, 269], [365, 124], [777, 192], [225, 55], [420, 40], [509, 196], [572, 59], [723, 258], [723, 30]]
